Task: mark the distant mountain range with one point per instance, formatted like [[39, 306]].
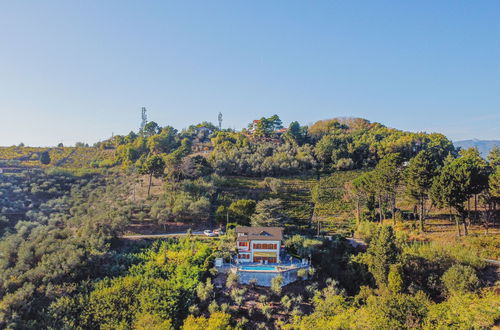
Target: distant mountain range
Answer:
[[484, 146]]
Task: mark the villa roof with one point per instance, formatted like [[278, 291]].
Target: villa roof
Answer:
[[260, 233]]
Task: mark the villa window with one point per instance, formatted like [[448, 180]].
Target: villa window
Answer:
[[265, 246], [243, 244]]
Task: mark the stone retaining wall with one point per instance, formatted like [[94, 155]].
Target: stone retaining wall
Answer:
[[264, 278]]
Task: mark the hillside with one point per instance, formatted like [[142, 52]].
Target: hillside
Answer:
[[65, 157], [73, 250]]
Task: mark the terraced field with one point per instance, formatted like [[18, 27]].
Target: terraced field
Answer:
[[67, 157]]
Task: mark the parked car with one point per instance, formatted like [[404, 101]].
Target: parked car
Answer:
[[208, 233], [219, 232]]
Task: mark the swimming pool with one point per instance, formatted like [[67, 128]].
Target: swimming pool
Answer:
[[258, 268]]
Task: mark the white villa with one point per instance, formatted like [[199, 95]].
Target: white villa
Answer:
[[259, 244]]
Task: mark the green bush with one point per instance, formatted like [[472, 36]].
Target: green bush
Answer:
[[460, 279], [395, 279], [366, 230], [276, 284]]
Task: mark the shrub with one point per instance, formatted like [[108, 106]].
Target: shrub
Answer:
[[213, 307], [460, 279], [238, 296], [276, 284], [344, 164], [366, 230], [275, 185], [241, 210], [395, 278], [302, 273], [205, 291], [149, 321], [217, 320], [232, 280], [286, 302], [465, 311], [267, 310]]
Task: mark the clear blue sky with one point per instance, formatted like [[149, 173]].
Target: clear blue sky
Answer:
[[80, 70]]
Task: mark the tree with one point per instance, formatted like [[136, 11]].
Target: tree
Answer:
[[130, 137], [241, 210], [494, 156], [150, 321], [387, 176], [493, 195], [154, 166], [332, 148], [268, 213], [295, 133], [395, 279], [194, 167], [276, 284], [275, 122], [459, 279], [359, 190], [465, 311], [479, 171], [302, 246], [45, 158], [363, 188], [418, 178], [205, 291], [164, 142], [494, 182], [456, 183], [275, 185], [381, 254], [151, 129], [267, 126], [232, 280], [216, 321]]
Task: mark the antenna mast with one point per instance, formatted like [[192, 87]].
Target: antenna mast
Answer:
[[144, 119], [220, 120]]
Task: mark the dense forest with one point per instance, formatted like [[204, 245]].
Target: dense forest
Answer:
[[426, 215]]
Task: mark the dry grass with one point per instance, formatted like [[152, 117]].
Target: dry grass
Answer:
[[441, 230]]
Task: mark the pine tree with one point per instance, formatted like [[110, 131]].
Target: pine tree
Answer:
[[382, 253], [387, 176], [419, 175], [454, 186]]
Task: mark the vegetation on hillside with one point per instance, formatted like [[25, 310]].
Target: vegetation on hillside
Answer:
[[427, 212]]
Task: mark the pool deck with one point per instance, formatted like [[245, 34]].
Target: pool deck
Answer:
[[268, 268], [264, 277], [263, 274]]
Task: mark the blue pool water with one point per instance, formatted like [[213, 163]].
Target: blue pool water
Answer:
[[258, 267]]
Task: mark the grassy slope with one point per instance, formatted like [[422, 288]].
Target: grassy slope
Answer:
[[67, 157], [296, 196]]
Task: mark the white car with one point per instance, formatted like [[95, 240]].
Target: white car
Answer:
[[219, 232], [208, 233]]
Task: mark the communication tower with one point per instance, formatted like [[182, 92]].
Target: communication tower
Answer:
[[144, 118], [220, 120]]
